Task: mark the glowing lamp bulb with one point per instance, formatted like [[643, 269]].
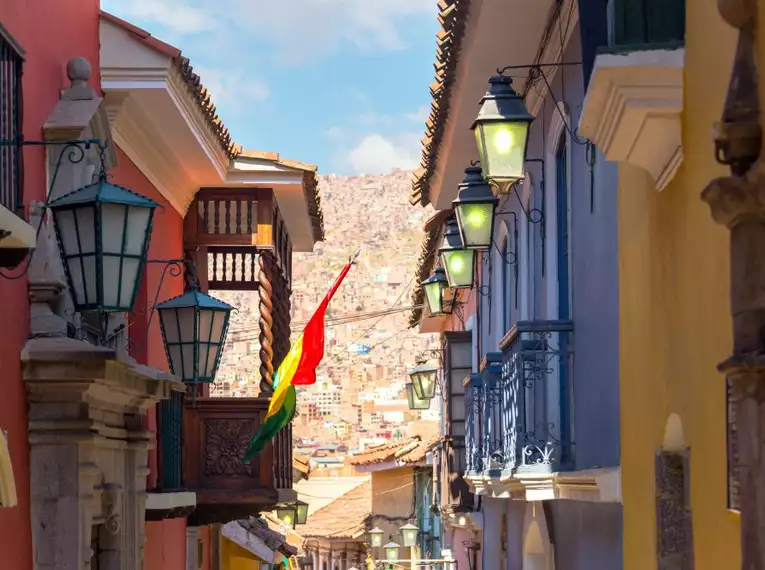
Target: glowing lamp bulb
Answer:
[[503, 140]]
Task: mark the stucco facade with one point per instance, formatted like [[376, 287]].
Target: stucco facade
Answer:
[[674, 323], [44, 77]]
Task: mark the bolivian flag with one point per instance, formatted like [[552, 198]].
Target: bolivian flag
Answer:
[[297, 369]]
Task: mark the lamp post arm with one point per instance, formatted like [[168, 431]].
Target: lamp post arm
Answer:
[[74, 151]]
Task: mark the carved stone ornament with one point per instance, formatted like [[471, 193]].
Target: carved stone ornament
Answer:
[[112, 498], [226, 442], [674, 541]]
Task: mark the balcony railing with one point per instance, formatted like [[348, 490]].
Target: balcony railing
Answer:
[[170, 443], [519, 408], [641, 24]]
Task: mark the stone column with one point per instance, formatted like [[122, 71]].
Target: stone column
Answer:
[[516, 511], [191, 548], [491, 549], [738, 202], [314, 560]]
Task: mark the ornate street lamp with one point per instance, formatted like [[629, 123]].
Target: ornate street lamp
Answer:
[[458, 262], [375, 537], [502, 132], [474, 207], [409, 534], [424, 377], [434, 287], [415, 403], [286, 514], [103, 235], [301, 512], [194, 327], [391, 552]]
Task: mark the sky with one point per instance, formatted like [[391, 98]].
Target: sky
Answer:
[[342, 84]]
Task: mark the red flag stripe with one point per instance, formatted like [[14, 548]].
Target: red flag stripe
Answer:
[[313, 338]]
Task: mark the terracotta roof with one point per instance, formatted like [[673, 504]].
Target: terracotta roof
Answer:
[[204, 102], [452, 16], [382, 453], [345, 517], [426, 262], [420, 451], [273, 539], [302, 464], [192, 80]]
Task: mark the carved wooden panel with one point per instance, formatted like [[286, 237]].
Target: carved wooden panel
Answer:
[[225, 444], [216, 432], [674, 524]]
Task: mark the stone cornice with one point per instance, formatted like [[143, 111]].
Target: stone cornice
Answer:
[[632, 111], [595, 485], [79, 392]]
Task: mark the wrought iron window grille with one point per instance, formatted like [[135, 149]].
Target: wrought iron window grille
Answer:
[[11, 117]]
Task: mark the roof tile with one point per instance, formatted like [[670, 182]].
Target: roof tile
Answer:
[[345, 517]]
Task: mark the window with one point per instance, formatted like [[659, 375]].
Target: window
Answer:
[[506, 289], [11, 59], [561, 210], [634, 23]]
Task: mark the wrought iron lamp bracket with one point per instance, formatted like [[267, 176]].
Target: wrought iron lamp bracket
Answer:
[[75, 151]]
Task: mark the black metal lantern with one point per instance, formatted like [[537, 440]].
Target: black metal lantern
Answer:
[[424, 380], [194, 327], [458, 262], [474, 208], [103, 235], [502, 131], [301, 512], [434, 287], [287, 514], [415, 402]]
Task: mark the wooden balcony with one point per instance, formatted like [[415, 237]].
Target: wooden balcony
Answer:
[[216, 432]]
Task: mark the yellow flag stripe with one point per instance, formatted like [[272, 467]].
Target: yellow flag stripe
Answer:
[[285, 374]]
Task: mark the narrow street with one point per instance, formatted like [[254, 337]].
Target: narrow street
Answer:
[[406, 285]]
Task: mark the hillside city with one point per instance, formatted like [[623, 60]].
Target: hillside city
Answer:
[[359, 398]]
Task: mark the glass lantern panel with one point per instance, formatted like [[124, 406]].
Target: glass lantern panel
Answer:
[[123, 240], [459, 267], [77, 230], [179, 326], [476, 222], [434, 294], [424, 385], [410, 537], [502, 149]]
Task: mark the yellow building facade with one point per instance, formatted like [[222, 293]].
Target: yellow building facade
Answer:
[[674, 285]]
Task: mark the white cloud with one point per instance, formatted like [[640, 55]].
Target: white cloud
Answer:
[[233, 90], [305, 30], [179, 16], [420, 115], [300, 30], [376, 154]]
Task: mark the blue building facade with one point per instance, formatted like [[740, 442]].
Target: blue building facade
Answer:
[[537, 419]]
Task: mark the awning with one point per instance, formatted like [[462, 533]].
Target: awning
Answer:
[[254, 536]]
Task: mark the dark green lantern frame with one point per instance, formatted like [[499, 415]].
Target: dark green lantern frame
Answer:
[[452, 251], [194, 304], [84, 210]]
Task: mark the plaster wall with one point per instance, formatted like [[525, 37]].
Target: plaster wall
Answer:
[[674, 317], [50, 34]]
